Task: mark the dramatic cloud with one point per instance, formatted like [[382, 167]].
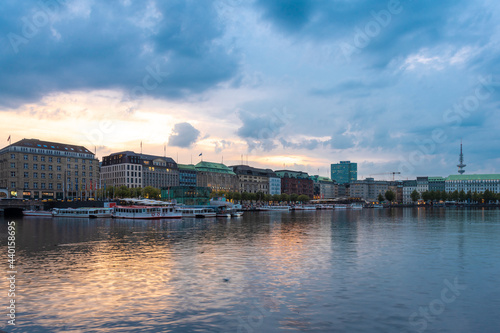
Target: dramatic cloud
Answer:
[[390, 84], [183, 135], [164, 49]]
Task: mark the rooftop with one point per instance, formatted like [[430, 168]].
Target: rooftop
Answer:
[[474, 177], [188, 167], [213, 167], [35, 143]]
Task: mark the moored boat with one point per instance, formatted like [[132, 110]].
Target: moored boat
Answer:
[[304, 207], [356, 205], [42, 213], [167, 211], [236, 214], [84, 212], [279, 208]]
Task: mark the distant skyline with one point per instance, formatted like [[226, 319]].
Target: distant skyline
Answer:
[[391, 85]]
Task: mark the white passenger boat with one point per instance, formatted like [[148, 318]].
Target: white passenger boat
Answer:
[[356, 205], [42, 213], [304, 207], [278, 208], [236, 214], [92, 212], [147, 212], [340, 206], [196, 212]]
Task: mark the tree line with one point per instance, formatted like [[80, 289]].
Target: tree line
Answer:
[[260, 196], [150, 192], [432, 196], [461, 196], [123, 191]]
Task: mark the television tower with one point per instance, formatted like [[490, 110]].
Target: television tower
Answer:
[[461, 166]]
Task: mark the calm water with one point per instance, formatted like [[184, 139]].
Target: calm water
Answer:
[[405, 270]]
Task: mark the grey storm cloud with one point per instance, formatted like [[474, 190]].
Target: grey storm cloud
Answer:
[[260, 131], [165, 49], [417, 24], [183, 135]]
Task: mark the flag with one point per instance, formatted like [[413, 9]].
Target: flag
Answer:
[[200, 154]]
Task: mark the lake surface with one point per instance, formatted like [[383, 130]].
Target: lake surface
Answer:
[[370, 270]]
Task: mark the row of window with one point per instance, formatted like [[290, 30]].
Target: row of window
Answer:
[[49, 158], [43, 166], [50, 186]]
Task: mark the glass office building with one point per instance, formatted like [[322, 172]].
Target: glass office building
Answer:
[[344, 172]]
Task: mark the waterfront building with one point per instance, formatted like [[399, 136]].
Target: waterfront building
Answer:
[[274, 185], [35, 169], [296, 182], [344, 172], [253, 180], [422, 184], [187, 174], [217, 176], [324, 187], [343, 190], [368, 189], [474, 183], [187, 195], [436, 184], [138, 170], [396, 186], [408, 187]]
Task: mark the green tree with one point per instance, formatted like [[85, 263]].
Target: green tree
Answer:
[[380, 197], [294, 197], [469, 196], [245, 196], [488, 196], [476, 197], [252, 196], [135, 192], [276, 197], [151, 193], [229, 196], [122, 192], [285, 197], [454, 195], [462, 196], [443, 195], [303, 198], [259, 196], [237, 196], [415, 195], [426, 196], [390, 196], [109, 192], [268, 197]]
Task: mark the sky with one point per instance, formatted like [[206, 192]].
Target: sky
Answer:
[[392, 85]]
